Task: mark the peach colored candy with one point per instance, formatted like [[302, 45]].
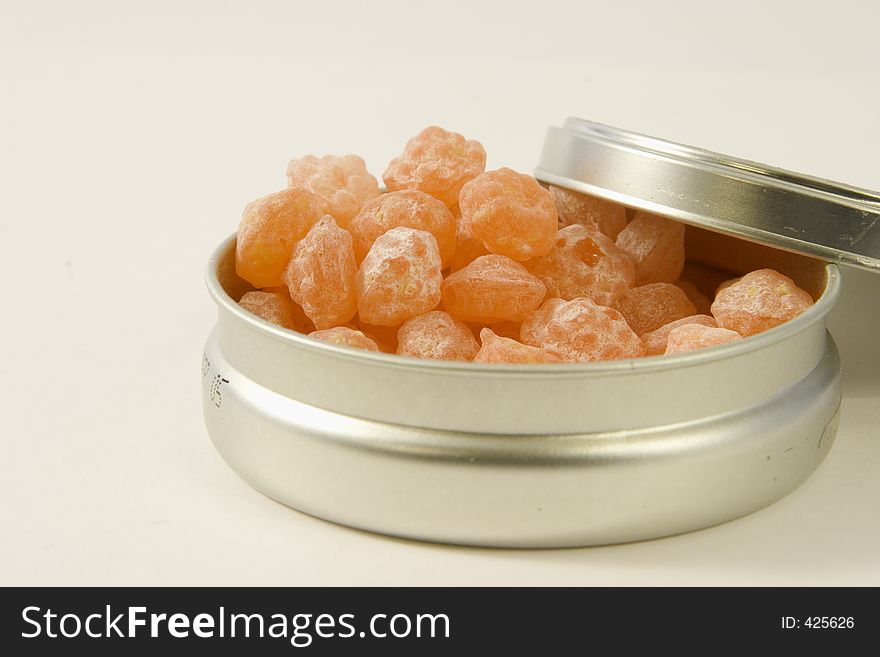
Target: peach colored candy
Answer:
[[656, 246], [705, 278], [410, 208], [345, 337], [691, 337], [507, 329], [584, 263], [580, 331], [301, 322], [400, 277], [503, 329], [511, 213], [491, 289], [701, 301], [655, 341], [437, 162], [271, 306], [576, 208], [384, 336], [321, 274], [759, 301], [467, 247], [497, 349], [438, 336], [726, 284], [648, 307], [269, 228], [342, 181]]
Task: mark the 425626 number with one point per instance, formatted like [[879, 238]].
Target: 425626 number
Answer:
[[818, 622]]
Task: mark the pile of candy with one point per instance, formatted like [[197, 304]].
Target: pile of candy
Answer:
[[457, 263]]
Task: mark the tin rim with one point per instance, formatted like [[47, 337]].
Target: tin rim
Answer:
[[816, 312], [749, 200], [856, 196]]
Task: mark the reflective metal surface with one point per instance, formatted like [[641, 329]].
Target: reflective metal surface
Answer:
[[531, 399], [791, 211], [520, 491], [530, 456]]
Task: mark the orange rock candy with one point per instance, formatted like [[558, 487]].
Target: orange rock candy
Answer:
[[656, 246], [269, 228], [584, 263], [271, 306], [384, 336], [321, 274], [437, 162], [345, 337], [590, 211], [342, 181], [438, 336], [655, 341], [691, 337], [703, 277], [537, 274], [648, 307], [723, 285], [701, 301], [410, 208], [511, 213], [301, 323], [497, 349], [759, 301], [400, 277], [491, 289], [580, 331], [467, 247], [503, 329]]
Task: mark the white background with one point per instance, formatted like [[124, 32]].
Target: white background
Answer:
[[132, 135]]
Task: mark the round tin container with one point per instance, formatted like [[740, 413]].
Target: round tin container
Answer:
[[526, 456], [561, 455]]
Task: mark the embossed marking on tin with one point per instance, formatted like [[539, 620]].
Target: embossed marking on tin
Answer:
[[216, 389]]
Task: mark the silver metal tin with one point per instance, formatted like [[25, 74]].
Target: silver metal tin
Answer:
[[789, 210], [526, 456]]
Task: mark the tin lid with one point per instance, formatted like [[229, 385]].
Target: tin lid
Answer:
[[760, 203]]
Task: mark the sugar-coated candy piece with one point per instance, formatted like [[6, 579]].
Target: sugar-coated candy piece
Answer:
[[704, 277], [410, 208], [491, 289], [656, 246], [467, 247], [691, 337], [584, 263], [504, 329], [400, 277], [580, 331], [590, 211], [269, 228], [321, 274], [655, 341], [438, 336], [511, 213], [384, 336], [701, 301], [345, 337], [301, 322], [437, 162], [723, 285], [271, 306], [342, 181], [498, 349], [648, 307], [759, 301]]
